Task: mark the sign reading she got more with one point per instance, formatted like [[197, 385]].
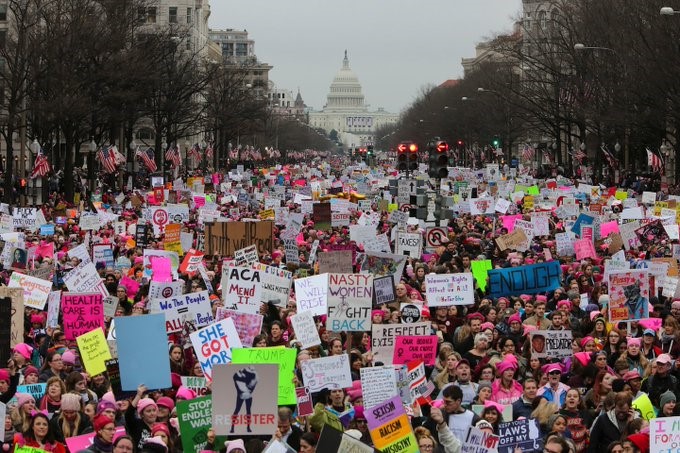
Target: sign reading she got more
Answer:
[[213, 345]]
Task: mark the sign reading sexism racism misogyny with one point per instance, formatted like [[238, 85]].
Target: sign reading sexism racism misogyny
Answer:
[[390, 428], [349, 302], [531, 279]]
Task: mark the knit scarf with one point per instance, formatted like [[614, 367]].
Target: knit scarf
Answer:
[[47, 401], [101, 445], [665, 338]]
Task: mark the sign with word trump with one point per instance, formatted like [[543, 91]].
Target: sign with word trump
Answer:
[[449, 289], [350, 298], [213, 345]]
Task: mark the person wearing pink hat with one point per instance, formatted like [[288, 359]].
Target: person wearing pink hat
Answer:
[[505, 389], [662, 380], [139, 425], [632, 355], [554, 391]]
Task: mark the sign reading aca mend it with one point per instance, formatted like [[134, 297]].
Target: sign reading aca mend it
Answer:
[[531, 279]]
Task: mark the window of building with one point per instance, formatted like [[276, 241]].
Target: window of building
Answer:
[[3, 38], [190, 18], [147, 15], [3, 12], [172, 14]]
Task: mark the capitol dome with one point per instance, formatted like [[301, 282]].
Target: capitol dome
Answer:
[[345, 92]]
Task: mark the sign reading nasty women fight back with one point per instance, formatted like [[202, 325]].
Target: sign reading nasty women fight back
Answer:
[[350, 297], [532, 279]]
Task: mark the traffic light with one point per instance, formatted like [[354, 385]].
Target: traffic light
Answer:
[[496, 142], [369, 150], [402, 150], [412, 156], [439, 159], [407, 156]]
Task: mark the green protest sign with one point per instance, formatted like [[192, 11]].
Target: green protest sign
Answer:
[[480, 271], [284, 357], [195, 419]]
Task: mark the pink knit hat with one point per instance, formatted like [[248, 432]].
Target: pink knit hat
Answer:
[[144, 403], [23, 398], [185, 393], [25, 350]]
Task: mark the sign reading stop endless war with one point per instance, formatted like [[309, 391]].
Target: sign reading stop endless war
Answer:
[[224, 238]]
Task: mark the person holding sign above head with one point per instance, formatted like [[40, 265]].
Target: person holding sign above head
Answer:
[[139, 426]]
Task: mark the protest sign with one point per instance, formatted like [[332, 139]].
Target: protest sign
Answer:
[[36, 290], [82, 313], [384, 290], [241, 288], [339, 219], [305, 329], [480, 271], [350, 297], [337, 441], [531, 279], [15, 297], [410, 348], [551, 344], [384, 335], [584, 248], [522, 434], [84, 278], [330, 372], [305, 405], [449, 289], [244, 399], [143, 340], [283, 357], [338, 261], [644, 406], [113, 373], [292, 252], [247, 325], [84, 441], [275, 284], [378, 383], [5, 329], [25, 218], [321, 214], [198, 384], [109, 304], [390, 427], [515, 240], [37, 391], [628, 295], [172, 240], [410, 313], [664, 435], [164, 290], [192, 308], [409, 244], [213, 345], [103, 253], [223, 238], [478, 441], [195, 419], [416, 380], [311, 294], [94, 351], [246, 256]]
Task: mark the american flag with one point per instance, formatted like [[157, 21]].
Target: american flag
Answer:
[[654, 160], [148, 157], [172, 155], [41, 167], [548, 156], [209, 151], [107, 159], [195, 152], [119, 158], [528, 152], [611, 159], [579, 155]]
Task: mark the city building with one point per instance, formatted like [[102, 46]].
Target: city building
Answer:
[[346, 113], [284, 103]]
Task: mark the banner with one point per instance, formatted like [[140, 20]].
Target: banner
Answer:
[[191, 308], [378, 383], [143, 340], [384, 335], [628, 295], [520, 434], [247, 326], [327, 372], [311, 294], [195, 419], [36, 290], [37, 391], [94, 351], [283, 357], [450, 289], [350, 298], [213, 345], [223, 238], [275, 283], [244, 399], [305, 329], [551, 344], [241, 289], [531, 279], [390, 427], [81, 313], [338, 261], [410, 348]]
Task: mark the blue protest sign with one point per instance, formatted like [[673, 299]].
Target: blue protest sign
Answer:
[[532, 279], [35, 390], [47, 229], [143, 351], [582, 220], [520, 434]]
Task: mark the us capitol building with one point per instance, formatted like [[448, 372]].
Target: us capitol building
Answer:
[[346, 112]]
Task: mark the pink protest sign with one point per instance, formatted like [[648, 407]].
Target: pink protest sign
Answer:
[[82, 312], [584, 248], [162, 269], [131, 285], [83, 442], [608, 228], [509, 221], [410, 348]]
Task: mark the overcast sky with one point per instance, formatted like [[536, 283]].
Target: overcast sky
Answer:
[[396, 47]]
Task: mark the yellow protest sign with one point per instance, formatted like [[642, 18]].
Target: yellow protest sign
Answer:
[[94, 351], [644, 405], [621, 195], [267, 214], [392, 207], [171, 241]]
